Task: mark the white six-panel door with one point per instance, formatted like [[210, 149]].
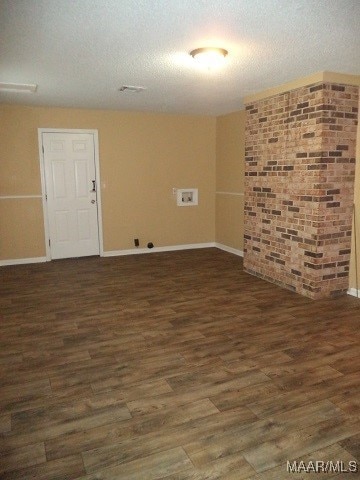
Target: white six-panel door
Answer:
[[70, 177]]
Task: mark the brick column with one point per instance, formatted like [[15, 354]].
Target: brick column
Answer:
[[299, 181]]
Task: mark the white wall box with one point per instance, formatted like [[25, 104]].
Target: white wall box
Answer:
[[187, 197]]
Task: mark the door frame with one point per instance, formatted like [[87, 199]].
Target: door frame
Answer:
[[95, 135]]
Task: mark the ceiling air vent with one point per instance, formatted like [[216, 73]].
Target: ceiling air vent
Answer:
[[18, 87], [131, 88]]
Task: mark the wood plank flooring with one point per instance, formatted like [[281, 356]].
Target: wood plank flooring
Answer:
[[172, 366]]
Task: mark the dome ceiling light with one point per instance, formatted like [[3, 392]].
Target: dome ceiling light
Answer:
[[209, 56]]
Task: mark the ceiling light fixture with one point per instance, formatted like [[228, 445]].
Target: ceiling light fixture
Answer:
[[209, 56], [18, 87]]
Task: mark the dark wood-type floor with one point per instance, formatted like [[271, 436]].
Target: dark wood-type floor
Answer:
[[172, 366]]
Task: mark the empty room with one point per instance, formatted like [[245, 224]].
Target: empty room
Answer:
[[179, 239]]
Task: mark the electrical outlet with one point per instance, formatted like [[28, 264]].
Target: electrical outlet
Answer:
[[136, 242]]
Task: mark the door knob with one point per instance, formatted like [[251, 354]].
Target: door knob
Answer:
[[92, 201]]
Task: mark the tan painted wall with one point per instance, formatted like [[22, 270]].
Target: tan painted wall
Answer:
[[355, 253], [142, 157], [230, 158], [21, 228]]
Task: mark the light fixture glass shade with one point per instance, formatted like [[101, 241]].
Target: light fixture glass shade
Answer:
[[209, 56]]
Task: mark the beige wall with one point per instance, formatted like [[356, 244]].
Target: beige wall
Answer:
[[21, 228], [230, 158], [355, 250], [142, 157]]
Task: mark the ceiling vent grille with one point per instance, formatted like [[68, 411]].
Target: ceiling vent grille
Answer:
[[18, 87], [131, 88]]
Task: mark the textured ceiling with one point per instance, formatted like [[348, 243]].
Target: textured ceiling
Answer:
[[80, 52]]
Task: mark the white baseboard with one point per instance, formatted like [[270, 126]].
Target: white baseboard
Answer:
[[170, 248], [354, 292], [232, 250], [135, 251], [22, 261]]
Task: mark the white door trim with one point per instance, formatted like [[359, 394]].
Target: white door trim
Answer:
[[43, 183]]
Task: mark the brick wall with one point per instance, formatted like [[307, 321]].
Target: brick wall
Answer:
[[299, 181]]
